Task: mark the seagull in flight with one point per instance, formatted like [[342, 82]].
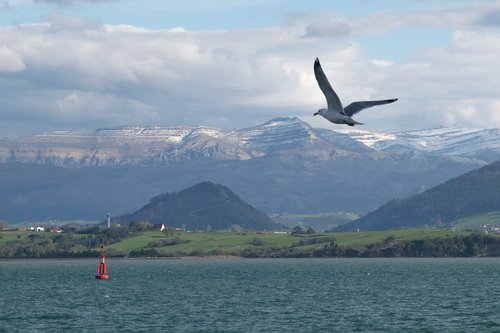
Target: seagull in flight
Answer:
[[335, 112]]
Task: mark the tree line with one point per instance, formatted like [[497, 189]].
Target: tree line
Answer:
[[473, 245], [85, 243], [71, 243]]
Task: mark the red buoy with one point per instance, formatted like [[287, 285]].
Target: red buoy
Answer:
[[101, 266]]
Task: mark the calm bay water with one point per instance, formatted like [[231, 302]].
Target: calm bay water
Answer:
[[244, 295]]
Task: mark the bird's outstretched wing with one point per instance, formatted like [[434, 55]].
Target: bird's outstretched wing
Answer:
[[355, 107], [332, 99]]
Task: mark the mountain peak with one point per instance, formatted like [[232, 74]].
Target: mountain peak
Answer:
[[209, 188], [203, 206], [284, 121]]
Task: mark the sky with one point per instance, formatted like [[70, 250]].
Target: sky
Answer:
[[89, 64]]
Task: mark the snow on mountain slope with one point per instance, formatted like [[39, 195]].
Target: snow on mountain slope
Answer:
[[277, 132], [163, 144], [476, 143]]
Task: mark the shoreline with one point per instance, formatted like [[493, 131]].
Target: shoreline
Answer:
[[229, 258]]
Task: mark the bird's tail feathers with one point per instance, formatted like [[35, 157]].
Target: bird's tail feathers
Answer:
[[354, 122]]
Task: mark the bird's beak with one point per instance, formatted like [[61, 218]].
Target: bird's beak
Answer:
[[316, 113]]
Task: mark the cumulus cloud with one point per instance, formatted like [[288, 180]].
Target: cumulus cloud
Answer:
[[80, 74], [74, 73]]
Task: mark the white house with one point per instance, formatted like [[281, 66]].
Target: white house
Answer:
[[159, 226]]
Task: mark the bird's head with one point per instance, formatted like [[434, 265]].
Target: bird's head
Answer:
[[320, 111]]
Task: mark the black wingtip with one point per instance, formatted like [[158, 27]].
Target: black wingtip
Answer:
[[316, 63], [393, 100]]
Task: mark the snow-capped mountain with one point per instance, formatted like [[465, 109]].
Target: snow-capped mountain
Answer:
[[283, 165], [482, 144], [129, 145]]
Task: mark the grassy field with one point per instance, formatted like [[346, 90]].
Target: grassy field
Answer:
[[229, 243], [203, 242], [11, 236], [478, 221], [225, 243]]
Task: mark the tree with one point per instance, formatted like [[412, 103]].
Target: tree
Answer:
[[257, 241], [297, 230], [139, 226]]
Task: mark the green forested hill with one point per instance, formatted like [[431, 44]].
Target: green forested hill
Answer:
[[473, 193], [204, 206]]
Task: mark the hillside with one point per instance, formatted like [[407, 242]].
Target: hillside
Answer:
[[476, 192], [204, 206]]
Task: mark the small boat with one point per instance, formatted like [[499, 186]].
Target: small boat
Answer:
[[101, 266]]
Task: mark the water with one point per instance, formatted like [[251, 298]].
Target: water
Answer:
[[244, 295]]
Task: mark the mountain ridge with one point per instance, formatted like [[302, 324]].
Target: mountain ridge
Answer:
[[281, 166], [145, 145]]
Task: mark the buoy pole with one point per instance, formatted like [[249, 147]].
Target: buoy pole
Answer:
[[101, 266]]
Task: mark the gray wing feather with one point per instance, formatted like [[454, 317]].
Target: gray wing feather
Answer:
[[355, 107], [332, 99]]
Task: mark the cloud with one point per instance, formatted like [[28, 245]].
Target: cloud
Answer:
[[59, 21], [7, 4], [382, 63], [330, 23], [328, 28], [82, 74], [60, 3], [72, 73], [11, 61], [491, 18], [71, 2]]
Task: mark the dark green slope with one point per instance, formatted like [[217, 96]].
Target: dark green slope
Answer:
[[204, 206], [473, 193]]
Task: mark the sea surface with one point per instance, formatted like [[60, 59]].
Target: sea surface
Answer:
[[252, 295]]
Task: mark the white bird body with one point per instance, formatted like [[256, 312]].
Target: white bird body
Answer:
[[337, 117], [335, 112]]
